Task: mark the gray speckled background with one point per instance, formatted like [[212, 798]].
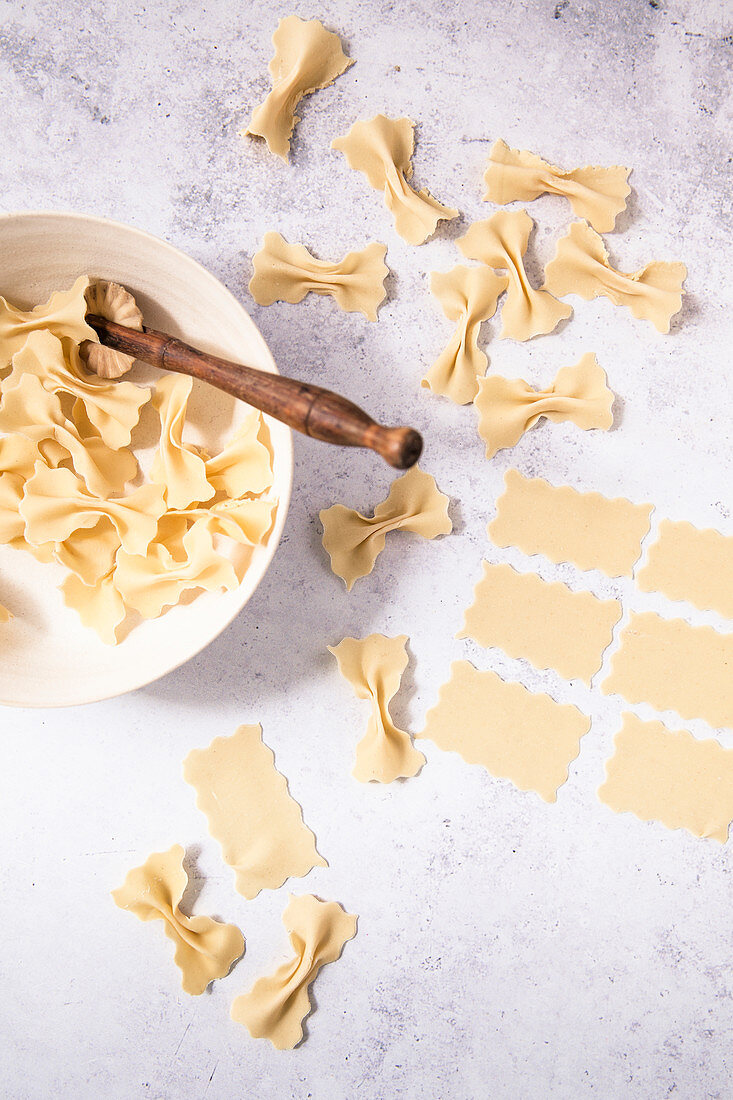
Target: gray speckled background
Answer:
[[507, 948]]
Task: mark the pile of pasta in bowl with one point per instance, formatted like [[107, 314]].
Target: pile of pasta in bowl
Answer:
[[136, 533]]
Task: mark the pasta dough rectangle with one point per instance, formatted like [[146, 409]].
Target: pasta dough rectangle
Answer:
[[548, 624], [514, 733], [688, 564], [670, 776], [674, 666], [587, 529]]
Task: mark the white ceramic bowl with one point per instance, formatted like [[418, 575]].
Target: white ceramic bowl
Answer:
[[47, 658]]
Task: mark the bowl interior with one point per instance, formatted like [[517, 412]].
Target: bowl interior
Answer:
[[48, 657]]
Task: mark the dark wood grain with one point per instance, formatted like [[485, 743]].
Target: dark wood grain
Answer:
[[309, 409]]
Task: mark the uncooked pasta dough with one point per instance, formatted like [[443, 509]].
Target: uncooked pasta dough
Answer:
[[580, 266], [205, 948], [5, 615], [276, 1005], [258, 824], [307, 57], [670, 776], [287, 272], [65, 469], [596, 194], [587, 529], [353, 541], [500, 242], [674, 666], [468, 295], [508, 407], [382, 149], [547, 624], [688, 564], [514, 733], [374, 666]]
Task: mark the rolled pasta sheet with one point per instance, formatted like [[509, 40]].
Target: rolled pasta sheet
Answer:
[[508, 407], [287, 272], [581, 266], [381, 148], [597, 194], [307, 57], [468, 296]]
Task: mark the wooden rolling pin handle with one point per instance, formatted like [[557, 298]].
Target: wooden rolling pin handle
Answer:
[[309, 409]]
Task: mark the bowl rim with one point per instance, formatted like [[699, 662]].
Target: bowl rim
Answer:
[[285, 446]]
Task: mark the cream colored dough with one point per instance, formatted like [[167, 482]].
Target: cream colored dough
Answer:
[[353, 541], [258, 824], [31, 411], [547, 624], [501, 241], [62, 316], [508, 407], [5, 615], [382, 149], [587, 529], [596, 194], [374, 666], [688, 564], [307, 57], [150, 582], [671, 777], [99, 605], [287, 272], [246, 521], [276, 1005], [468, 295], [89, 553], [674, 666], [177, 466], [205, 948], [113, 408], [244, 465], [512, 732], [55, 504], [654, 293]]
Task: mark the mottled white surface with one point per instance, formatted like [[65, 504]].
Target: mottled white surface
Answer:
[[506, 947]]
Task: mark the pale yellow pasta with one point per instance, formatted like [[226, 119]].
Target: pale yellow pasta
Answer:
[[61, 316], [654, 293], [99, 605], [374, 666], [353, 542], [307, 57], [276, 1005], [287, 272], [501, 241], [205, 948], [177, 466], [596, 194], [508, 407], [382, 149], [469, 296], [244, 465], [5, 615], [90, 552]]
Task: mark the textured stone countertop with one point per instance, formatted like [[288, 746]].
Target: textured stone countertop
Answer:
[[507, 947]]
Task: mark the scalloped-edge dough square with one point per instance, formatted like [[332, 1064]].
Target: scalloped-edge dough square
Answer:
[[589, 530], [546, 623], [669, 776], [686, 563], [514, 733], [674, 666]]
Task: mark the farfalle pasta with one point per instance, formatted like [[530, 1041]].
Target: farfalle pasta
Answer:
[[597, 194], [66, 468], [501, 241], [287, 272], [374, 666], [307, 57], [580, 266], [468, 295], [353, 541], [276, 1005], [206, 948], [508, 407], [381, 148]]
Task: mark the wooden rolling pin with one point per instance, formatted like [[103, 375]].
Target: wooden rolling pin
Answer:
[[309, 409]]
